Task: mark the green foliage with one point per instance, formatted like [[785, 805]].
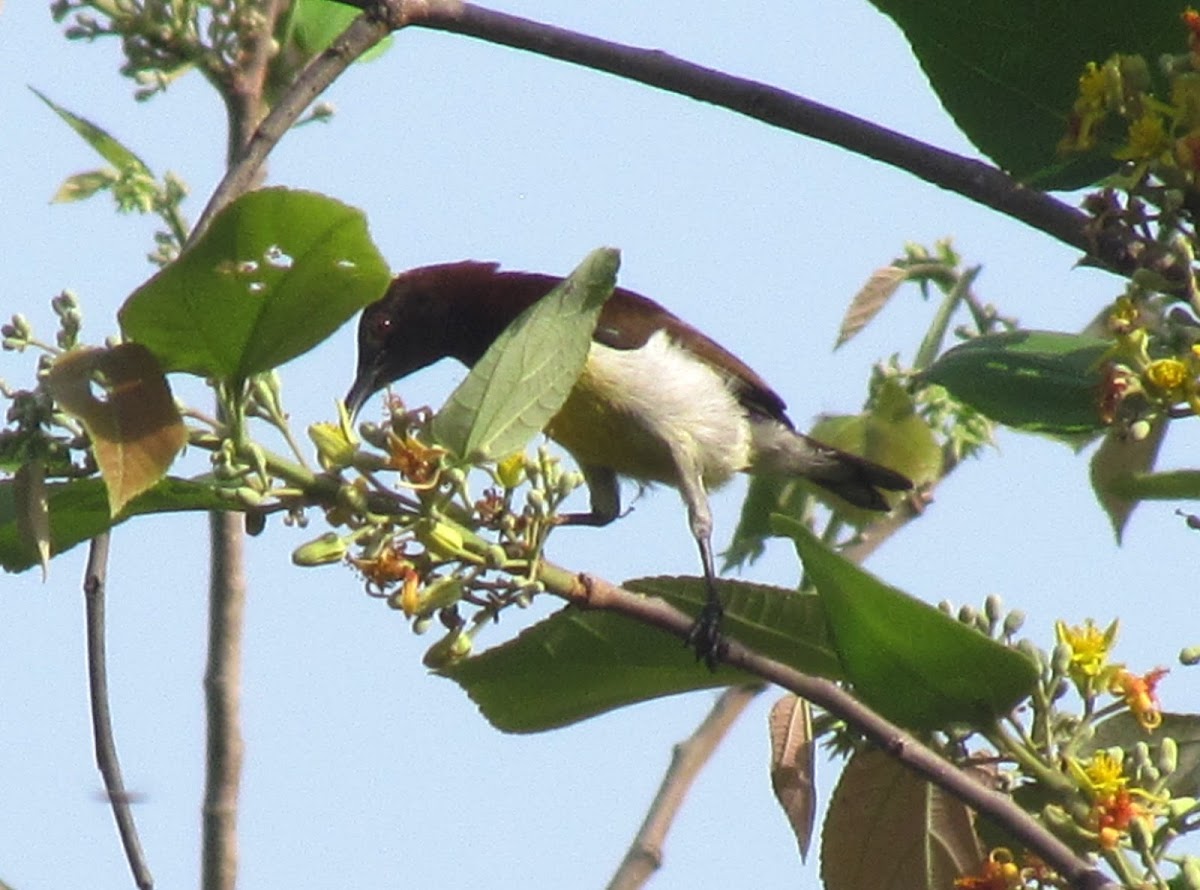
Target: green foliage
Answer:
[[1038, 381], [79, 510], [525, 376], [909, 661], [578, 664], [1007, 71], [276, 273]]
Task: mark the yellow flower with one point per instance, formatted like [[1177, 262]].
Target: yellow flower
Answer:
[[1169, 376], [1088, 111], [511, 470], [1089, 648], [1104, 775], [1147, 139]]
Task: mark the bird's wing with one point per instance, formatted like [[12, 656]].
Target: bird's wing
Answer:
[[628, 320]]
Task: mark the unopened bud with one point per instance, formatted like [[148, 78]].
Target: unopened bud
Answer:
[[1189, 656], [1190, 872], [441, 539], [450, 649], [1168, 755], [1013, 622], [326, 549]]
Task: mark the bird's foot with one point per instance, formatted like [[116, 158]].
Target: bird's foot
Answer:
[[705, 636]]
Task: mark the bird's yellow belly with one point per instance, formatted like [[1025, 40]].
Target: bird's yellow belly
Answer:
[[629, 404]]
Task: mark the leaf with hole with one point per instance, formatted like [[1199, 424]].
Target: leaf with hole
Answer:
[[276, 273]]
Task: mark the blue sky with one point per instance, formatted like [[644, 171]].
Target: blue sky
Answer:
[[361, 769]]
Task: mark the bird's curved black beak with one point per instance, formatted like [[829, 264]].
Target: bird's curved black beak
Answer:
[[363, 388]]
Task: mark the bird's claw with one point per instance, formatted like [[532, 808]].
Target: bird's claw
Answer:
[[705, 636]]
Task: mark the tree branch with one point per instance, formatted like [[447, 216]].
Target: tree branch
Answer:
[[589, 591], [1110, 246], [688, 758], [94, 578], [222, 693]]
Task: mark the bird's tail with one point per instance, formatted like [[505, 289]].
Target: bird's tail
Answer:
[[858, 481]]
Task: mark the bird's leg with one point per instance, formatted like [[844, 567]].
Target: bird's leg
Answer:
[[605, 493], [705, 635]]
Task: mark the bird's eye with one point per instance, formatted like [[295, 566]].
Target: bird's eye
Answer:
[[379, 327]]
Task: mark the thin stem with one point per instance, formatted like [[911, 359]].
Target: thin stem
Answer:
[[94, 579]]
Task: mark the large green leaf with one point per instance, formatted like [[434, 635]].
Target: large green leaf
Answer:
[[79, 510], [1038, 381], [1007, 70], [577, 664], [276, 273], [527, 373], [909, 661]]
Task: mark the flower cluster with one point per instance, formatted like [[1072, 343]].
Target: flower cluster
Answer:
[[1117, 111]]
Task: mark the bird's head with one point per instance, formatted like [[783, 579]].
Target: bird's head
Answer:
[[426, 315]]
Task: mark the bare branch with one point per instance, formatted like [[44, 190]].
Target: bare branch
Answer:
[[591, 592], [94, 579], [222, 692], [688, 758]]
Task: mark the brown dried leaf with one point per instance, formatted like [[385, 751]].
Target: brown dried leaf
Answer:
[[33, 511], [123, 400], [868, 302], [889, 829], [793, 755]]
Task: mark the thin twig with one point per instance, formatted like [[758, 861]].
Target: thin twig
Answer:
[[362, 34], [592, 592], [688, 758], [94, 579]]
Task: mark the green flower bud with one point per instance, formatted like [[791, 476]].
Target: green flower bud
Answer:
[[450, 649], [1168, 755], [441, 539], [326, 549], [1189, 656], [1013, 622]]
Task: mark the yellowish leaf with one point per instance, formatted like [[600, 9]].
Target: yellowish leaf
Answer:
[[123, 400]]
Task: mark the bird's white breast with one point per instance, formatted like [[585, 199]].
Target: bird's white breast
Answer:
[[629, 404]]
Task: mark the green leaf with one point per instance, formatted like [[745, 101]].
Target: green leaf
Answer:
[[889, 829], [1119, 458], [911, 662], [104, 144], [314, 24], [1123, 731], [1037, 381], [78, 511], [890, 433], [1007, 71], [82, 186], [276, 273], [527, 373], [577, 664]]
